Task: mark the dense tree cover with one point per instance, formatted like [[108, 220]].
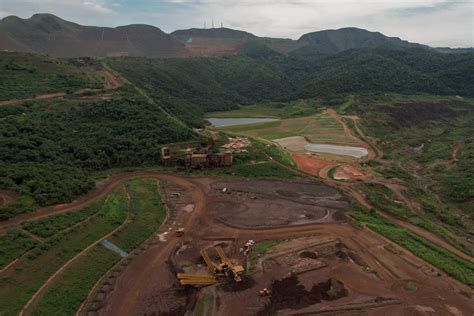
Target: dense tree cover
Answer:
[[26, 75], [50, 149], [189, 87], [391, 70]]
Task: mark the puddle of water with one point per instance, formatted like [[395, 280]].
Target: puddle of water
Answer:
[[357, 152], [220, 122]]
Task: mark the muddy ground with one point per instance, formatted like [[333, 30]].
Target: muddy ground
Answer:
[[272, 203], [337, 267]]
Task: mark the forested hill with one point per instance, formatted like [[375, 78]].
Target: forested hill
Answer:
[[49, 34], [190, 87], [53, 148]]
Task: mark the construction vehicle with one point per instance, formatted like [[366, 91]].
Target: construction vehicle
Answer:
[[248, 247], [226, 267], [264, 292], [196, 279], [180, 232]]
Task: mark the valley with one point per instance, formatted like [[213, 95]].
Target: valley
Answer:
[[215, 172]]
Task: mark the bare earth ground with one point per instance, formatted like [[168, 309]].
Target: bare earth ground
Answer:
[[373, 271], [366, 273]]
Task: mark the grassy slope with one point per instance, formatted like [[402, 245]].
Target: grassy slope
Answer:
[[442, 186], [272, 109], [66, 295], [453, 265], [33, 269], [321, 128]]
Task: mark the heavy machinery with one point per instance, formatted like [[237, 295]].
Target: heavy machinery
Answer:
[[264, 292], [180, 232], [226, 267], [196, 279]]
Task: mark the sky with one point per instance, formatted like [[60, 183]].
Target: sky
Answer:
[[432, 22]]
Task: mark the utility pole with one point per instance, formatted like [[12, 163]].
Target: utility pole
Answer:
[[212, 23], [221, 25]]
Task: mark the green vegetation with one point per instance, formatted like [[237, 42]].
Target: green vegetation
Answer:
[[419, 135], [19, 205], [27, 75], [343, 107], [384, 199], [51, 151], [191, 87], [273, 109], [52, 225], [441, 258], [204, 306], [275, 152], [332, 171], [381, 197], [252, 163], [258, 251], [38, 264], [410, 287], [67, 294], [147, 214], [320, 128], [13, 244]]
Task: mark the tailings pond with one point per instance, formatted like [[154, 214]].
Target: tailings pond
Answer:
[[357, 152]]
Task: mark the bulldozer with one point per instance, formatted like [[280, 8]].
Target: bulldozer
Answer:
[[226, 267]]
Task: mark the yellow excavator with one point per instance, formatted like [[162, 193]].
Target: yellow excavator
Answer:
[[226, 267]]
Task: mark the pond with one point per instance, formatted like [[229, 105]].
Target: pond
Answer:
[[220, 122], [357, 152]]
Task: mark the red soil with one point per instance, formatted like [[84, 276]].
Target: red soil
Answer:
[[312, 165]]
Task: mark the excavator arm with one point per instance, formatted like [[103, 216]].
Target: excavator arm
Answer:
[[196, 279], [208, 260], [221, 254]]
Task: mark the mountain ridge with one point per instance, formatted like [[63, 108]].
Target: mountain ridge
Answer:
[[49, 34]]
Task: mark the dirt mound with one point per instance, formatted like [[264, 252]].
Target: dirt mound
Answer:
[[232, 286], [308, 254], [288, 293], [332, 289]]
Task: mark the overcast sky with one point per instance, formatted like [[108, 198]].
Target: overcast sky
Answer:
[[432, 22]]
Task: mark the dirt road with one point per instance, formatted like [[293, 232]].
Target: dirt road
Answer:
[[348, 133], [148, 285]]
